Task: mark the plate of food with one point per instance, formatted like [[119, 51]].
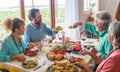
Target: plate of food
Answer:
[[62, 66], [30, 63], [89, 46], [75, 59], [55, 55], [55, 48], [30, 53]]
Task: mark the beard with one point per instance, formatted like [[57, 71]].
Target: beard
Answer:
[[37, 22]]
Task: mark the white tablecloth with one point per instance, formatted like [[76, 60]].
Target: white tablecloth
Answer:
[[41, 57]]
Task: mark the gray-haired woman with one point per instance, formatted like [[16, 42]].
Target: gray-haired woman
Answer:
[[111, 63]]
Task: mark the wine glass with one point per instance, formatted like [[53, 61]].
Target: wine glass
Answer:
[[59, 35], [69, 50], [84, 36]]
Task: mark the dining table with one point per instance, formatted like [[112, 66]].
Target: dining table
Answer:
[[43, 63]]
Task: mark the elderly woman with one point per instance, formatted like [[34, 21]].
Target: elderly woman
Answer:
[[111, 63], [12, 45]]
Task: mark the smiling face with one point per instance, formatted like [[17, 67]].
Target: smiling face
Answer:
[[21, 29], [99, 26]]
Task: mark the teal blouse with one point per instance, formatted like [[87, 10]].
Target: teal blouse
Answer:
[[10, 48], [104, 44]]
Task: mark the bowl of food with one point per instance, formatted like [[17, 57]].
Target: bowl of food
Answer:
[[76, 49], [30, 63], [30, 53], [55, 48]]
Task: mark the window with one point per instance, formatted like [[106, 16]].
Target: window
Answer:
[[44, 7], [60, 13], [8, 8], [90, 5], [12, 9]]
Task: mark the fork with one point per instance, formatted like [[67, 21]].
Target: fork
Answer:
[[39, 66]]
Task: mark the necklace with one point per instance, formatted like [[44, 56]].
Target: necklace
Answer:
[[17, 45]]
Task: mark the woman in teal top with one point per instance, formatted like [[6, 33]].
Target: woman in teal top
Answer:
[[102, 20], [12, 45]]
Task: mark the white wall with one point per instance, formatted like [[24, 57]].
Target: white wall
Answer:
[[108, 5]]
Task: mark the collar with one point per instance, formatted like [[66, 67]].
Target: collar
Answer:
[[34, 26], [104, 32]]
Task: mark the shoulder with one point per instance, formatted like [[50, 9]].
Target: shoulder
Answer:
[[115, 56], [43, 24], [6, 40], [28, 25]]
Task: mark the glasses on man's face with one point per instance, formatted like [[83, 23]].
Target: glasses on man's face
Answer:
[[39, 17]]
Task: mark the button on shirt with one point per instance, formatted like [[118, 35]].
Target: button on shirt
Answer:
[[33, 34]]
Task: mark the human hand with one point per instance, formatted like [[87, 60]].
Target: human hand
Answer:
[[30, 46], [93, 50], [80, 64], [84, 52], [20, 58]]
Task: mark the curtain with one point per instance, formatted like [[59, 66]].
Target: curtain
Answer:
[[71, 16]]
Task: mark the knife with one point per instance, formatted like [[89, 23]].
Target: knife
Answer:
[[39, 66]]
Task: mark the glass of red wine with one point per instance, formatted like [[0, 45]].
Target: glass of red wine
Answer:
[[59, 36], [69, 50]]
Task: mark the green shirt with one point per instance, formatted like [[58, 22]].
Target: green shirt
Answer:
[[9, 48], [104, 45]]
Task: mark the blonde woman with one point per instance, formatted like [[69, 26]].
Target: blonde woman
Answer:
[[12, 45]]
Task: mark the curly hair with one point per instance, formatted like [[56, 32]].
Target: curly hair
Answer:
[[10, 25]]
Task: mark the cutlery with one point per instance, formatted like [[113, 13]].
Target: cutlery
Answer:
[[39, 66]]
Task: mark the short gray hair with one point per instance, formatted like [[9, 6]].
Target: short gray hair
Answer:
[[104, 17], [114, 29]]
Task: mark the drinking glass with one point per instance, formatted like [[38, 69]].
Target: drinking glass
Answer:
[[69, 50], [59, 36], [83, 36], [45, 43]]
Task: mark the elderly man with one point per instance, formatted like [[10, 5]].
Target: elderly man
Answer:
[[102, 20], [36, 30]]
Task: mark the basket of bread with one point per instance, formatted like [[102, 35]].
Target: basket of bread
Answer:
[[62, 66], [56, 53], [55, 56]]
